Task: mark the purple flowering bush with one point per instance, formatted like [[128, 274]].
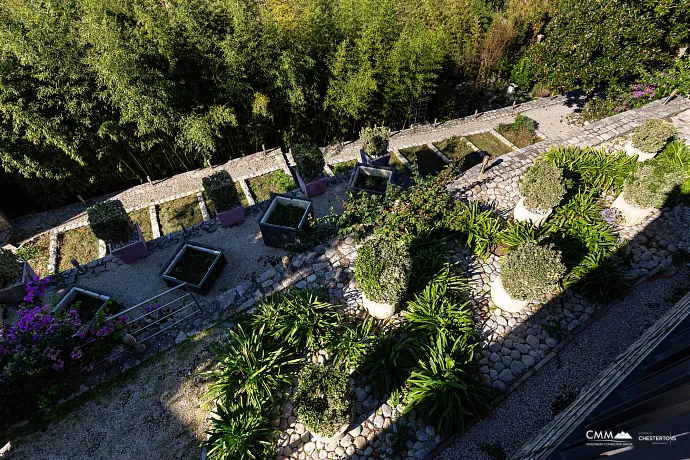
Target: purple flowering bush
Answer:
[[43, 350]]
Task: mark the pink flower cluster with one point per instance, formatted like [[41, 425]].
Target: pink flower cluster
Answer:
[[646, 91], [36, 289]]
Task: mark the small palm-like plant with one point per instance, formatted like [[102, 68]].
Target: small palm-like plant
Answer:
[[240, 433], [388, 363], [447, 386], [250, 371], [349, 342], [300, 319], [440, 311]]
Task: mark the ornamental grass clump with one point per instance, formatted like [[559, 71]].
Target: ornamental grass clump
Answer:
[[531, 271], [653, 135], [324, 399], [542, 187], [375, 140], [310, 161], [10, 269], [110, 222], [382, 270], [221, 189], [652, 184]]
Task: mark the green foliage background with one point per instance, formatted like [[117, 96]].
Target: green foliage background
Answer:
[[97, 95]]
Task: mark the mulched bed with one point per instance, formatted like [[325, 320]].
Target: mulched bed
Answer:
[[79, 243], [88, 306], [459, 151], [426, 160], [373, 183], [277, 182], [287, 215], [343, 166], [192, 266], [183, 211], [490, 144], [37, 252]]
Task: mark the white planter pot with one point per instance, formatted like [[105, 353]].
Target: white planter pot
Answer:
[[632, 215], [503, 300], [336, 437], [379, 310], [632, 151], [522, 214]]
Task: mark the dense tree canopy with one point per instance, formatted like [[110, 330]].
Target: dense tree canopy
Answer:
[[100, 94]]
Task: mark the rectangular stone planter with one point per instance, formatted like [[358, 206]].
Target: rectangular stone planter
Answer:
[[231, 217], [310, 189], [131, 252], [211, 273], [369, 170], [74, 292], [14, 293], [367, 160], [279, 236]]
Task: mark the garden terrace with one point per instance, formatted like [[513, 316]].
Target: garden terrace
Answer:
[[510, 343]]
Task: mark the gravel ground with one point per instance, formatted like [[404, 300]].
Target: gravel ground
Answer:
[[537, 401], [242, 244], [154, 411], [551, 121]]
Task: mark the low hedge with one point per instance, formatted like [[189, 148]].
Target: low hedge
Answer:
[[110, 222], [531, 270], [309, 160], [324, 398], [653, 135], [220, 188], [382, 270], [375, 140], [542, 186]]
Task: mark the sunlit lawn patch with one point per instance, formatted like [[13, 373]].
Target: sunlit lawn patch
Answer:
[[79, 243], [183, 211], [274, 182]]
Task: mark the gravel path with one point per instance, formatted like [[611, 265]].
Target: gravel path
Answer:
[[553, 387]]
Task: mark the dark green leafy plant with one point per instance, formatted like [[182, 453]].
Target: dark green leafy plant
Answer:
[[299, 319], [375, 140], [309, 160], [390, 360], [241, 433], [593, 168], [382, 270], [324, 398], [447, 387], [603, 281], [518, 233], [480, 229], [542, 186], [652, 184], [110, 222], [10, 270], [531, 270], [221, 189], [653, 135], [251, 369], [348, 342]]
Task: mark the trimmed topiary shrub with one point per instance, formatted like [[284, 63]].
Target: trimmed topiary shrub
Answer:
[[309, 160], [651, 184], [323, 400], [375, 140], [221, 189], [382, 270], [531, 270], [10, 269], [542, 187], [653, 135], [110, 222]]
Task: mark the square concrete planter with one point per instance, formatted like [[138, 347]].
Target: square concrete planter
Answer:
[[14, 293], [132, 251], [93, 302], [231, 217], [280, 236], [378, 161], [380, 174], [310, 189], [196, 265]]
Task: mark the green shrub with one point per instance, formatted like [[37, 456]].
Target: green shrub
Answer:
[[251, 369], [652, 184], [531, 271], [298, 318], [349, 341], [375, 140], [221, 189], [309, 160], [480, 229], [542, 186], [653, 135], [110, 222], [593, 168], [382, 270], [522, 73], [324, 398], [447, 387], [10, 270], [239, 433], [521, 123]]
